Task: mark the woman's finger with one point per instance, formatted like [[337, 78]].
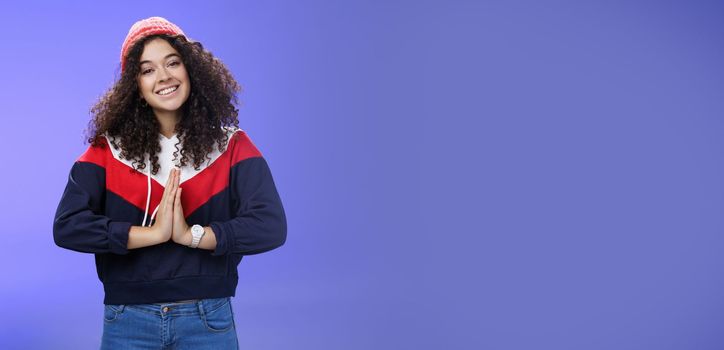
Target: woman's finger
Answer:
[[169, 182], [175, 181], [174, 186], [177, 203], [167, 190]]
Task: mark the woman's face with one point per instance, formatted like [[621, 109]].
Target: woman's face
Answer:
[[163, 80]]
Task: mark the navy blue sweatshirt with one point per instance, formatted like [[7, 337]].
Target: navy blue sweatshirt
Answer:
[[233, 193]]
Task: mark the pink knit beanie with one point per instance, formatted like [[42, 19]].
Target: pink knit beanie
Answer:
[[144, 28]]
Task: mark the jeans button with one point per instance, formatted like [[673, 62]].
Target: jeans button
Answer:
[[165, 309]]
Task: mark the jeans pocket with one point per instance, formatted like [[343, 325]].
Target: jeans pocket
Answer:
[[112, 312], [219, 318]]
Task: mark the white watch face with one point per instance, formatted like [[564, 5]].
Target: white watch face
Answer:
[[197, 230]]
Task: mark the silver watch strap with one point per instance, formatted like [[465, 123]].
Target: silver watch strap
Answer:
[[195, 242]]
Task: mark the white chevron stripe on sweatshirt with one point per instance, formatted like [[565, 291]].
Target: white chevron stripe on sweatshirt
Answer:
[[167, 161]]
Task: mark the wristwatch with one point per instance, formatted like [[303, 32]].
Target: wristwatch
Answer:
[[197, 231]]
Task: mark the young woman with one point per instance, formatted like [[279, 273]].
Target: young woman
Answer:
[[169, 196]]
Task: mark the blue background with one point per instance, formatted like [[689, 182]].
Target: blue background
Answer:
[[456, 175]]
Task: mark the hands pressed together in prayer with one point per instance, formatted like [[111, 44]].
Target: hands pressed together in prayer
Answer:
[[170, 222]]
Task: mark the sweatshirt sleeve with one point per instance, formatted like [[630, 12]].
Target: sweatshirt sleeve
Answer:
[[260, 223], [79, 224]]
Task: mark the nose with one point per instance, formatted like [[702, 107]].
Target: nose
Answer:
[[162, 75]]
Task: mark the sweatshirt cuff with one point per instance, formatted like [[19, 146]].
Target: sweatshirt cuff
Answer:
[[222, 241], [118, 237]]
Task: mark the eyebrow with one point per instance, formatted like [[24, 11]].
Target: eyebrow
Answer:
[[165, 58]]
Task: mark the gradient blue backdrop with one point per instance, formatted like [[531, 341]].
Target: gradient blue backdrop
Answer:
[[456, 175]]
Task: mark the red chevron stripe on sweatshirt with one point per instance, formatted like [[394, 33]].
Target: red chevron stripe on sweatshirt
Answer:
[[131, 185]]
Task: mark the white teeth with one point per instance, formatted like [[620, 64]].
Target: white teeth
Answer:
[[168, 90]]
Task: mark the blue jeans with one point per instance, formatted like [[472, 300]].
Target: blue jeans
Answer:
[[200, 324]]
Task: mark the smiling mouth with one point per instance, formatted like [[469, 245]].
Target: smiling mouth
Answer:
[[167, 91]]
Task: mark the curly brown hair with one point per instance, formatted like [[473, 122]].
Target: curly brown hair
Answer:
[[132, 126]]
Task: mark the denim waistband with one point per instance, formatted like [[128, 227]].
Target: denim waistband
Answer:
[[186, 307], [179, 302]]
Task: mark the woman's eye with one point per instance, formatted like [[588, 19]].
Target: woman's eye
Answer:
[[174, 63], [146, 71]]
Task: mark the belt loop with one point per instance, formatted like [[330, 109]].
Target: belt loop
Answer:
[[201, 307]]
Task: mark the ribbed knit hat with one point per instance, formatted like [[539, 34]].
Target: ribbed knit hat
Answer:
[[144, 28]]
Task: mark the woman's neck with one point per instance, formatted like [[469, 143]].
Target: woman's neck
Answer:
[[167, 121]]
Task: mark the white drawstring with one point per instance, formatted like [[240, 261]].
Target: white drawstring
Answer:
[[154, 214], [148, 197]]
